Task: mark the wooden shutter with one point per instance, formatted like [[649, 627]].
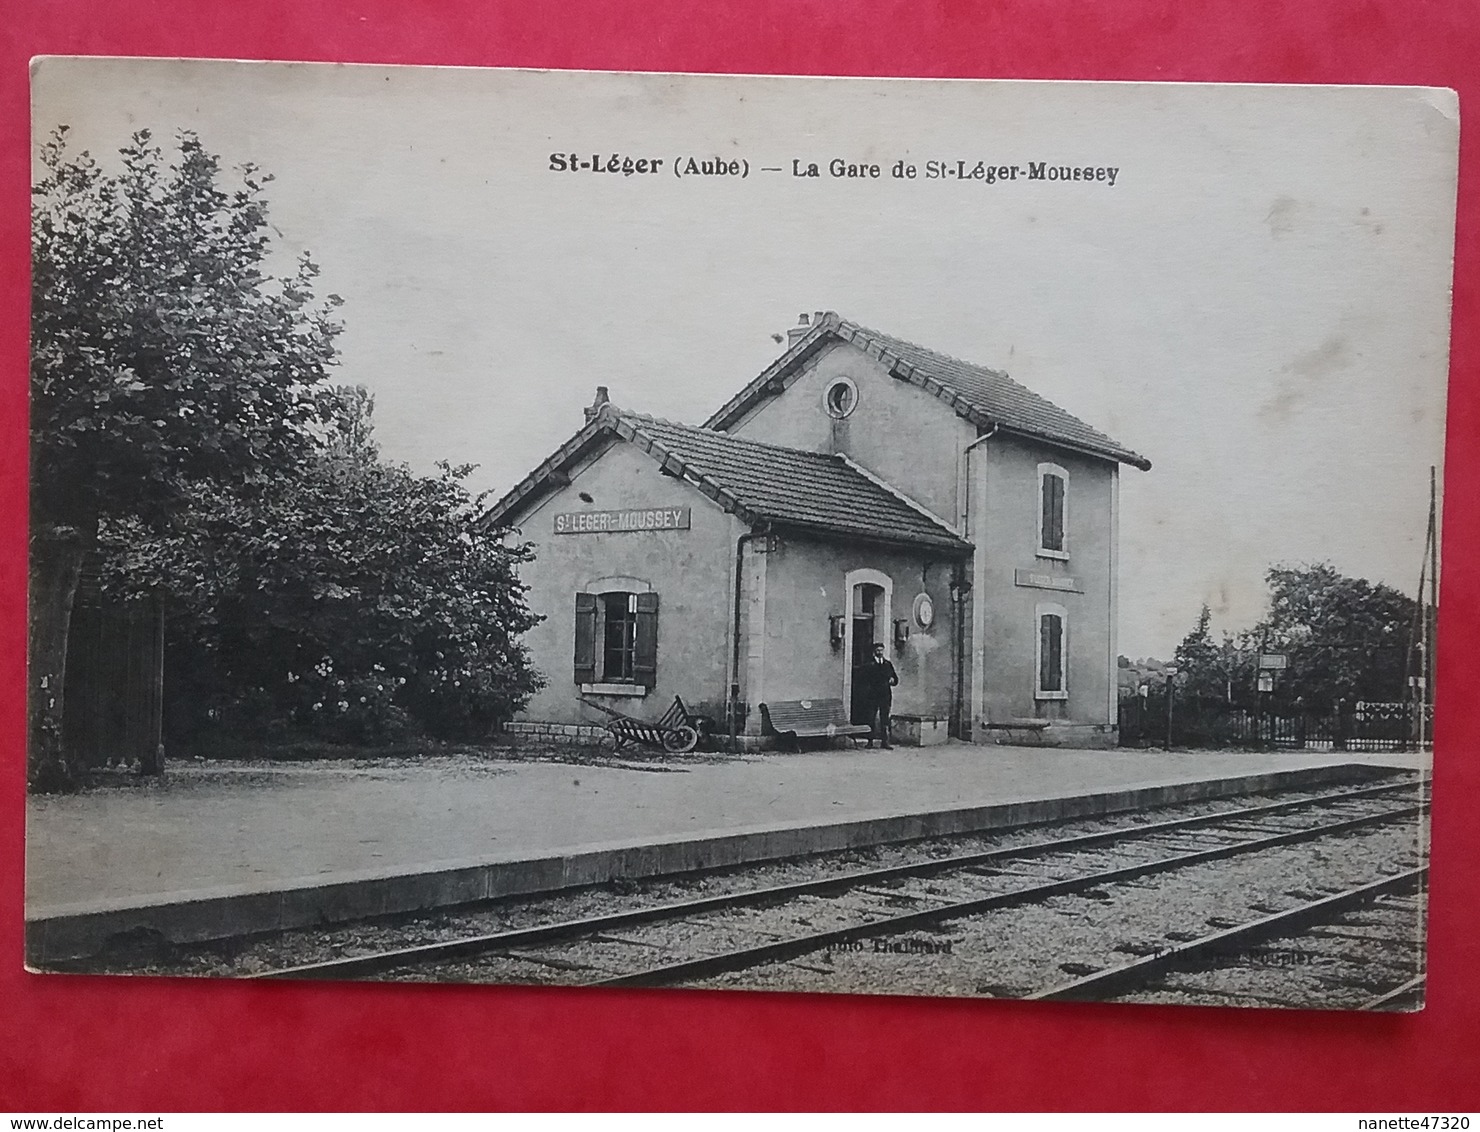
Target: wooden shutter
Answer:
[[645, 659], [1058, 653], [1053, 512], [1051, 653], [585, 639]]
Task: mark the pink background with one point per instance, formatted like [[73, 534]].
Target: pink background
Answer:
[[118, 1044]]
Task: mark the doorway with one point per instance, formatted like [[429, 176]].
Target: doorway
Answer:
[[870, 595], [866, 602]]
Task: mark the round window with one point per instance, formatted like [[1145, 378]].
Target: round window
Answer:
[[840, 398]]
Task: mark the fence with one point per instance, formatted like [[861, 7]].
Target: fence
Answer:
[[1361, 727]]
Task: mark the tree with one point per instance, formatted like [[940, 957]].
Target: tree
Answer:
[[1346, 638], [165, 355], [1197, 659], [341, 597], [1216, 671]]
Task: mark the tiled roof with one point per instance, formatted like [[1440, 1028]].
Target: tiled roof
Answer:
[[761, 483], [788, 486], [986, 397]]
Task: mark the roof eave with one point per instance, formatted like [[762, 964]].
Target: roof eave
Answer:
[[945, 544], [974, 414], [1114, 455]]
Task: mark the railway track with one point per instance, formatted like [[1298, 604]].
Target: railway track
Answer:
[[766, 936], [1358, 950]]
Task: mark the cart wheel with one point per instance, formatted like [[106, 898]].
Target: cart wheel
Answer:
[[680, 740]]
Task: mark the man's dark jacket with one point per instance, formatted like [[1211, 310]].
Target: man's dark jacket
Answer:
[[875, 680]]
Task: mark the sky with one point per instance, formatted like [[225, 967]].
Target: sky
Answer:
[[1258, 304]]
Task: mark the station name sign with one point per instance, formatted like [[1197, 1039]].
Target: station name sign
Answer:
[[642, 519], [1037, 581]]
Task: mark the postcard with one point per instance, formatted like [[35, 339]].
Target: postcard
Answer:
[[883, 536]]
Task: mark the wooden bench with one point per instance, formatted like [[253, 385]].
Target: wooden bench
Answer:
[[809, 719]]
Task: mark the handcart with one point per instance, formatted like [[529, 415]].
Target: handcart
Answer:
[[676, 731]]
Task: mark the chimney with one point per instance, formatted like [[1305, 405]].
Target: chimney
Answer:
[[800, 331], [602, 398]]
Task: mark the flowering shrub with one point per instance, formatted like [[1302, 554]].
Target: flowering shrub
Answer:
[[348, 709]]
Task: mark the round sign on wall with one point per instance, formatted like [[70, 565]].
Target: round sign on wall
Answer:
[[924, 611]]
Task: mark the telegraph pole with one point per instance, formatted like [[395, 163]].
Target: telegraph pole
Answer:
[[1431, 616], [1421, 683]]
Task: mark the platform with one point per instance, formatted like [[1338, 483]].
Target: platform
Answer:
[[219, 849]]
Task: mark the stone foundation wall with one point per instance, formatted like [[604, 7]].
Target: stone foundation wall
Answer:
[[584, 734], [1080, 736]]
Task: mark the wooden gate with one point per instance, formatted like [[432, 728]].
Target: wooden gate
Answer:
[[114, 711]]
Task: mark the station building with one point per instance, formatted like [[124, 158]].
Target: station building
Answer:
[[860, 490]]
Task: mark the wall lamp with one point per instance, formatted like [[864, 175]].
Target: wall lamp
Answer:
[[835, 629]]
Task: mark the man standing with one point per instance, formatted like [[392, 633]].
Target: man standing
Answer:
[[876, 680]]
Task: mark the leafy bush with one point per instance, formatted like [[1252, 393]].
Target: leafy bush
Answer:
[[344, 598]]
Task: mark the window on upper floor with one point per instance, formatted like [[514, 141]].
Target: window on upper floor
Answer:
[[616, 638], [1051, 652], [1053, 511]]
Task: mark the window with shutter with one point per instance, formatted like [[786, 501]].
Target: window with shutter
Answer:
[[1052, 683], [1053, 511], [617, 638]]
